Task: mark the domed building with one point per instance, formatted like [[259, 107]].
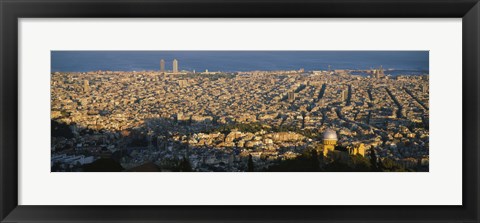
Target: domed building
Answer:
[[329, 141]]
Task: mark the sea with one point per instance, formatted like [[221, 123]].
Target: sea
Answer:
[[394, 62]]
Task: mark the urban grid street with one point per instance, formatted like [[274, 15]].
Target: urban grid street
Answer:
[[238, 121]]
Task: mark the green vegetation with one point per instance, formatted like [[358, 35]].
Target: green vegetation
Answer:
[[184, 165], [250, 167], [389, 165], [307, 162], [355, 163], [374, 160], [311, 161]]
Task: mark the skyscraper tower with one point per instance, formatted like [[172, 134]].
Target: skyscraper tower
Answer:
[[291, 96], [175, 66], [381, 73], [162, 66]]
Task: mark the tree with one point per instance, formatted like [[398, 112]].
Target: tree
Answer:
[[185, 166], [360, 163], [373, 160], [389, 165], [315, 162], [250, 167]]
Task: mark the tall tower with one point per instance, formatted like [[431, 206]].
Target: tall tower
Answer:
[[329, 141], [291, 96], [175, 66], [381, 73], [162, 66]]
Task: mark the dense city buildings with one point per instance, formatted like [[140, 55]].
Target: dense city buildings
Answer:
[[284, 120]]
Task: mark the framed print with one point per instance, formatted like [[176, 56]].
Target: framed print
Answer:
[[227, 111]]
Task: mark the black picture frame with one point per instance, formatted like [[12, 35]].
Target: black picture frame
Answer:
[[11, 11]]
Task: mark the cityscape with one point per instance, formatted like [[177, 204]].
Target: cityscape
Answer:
[[368, 118]]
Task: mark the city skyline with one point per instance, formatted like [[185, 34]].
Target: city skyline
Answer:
[[298, 120], [235, 61]]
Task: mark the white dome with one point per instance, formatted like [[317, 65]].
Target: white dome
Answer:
[[329, 134]]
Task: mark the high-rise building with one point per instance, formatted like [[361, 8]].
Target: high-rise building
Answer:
[[291, 96], [343, 95], [379, 73], [162, 66], [175, 66], [86, 86]]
